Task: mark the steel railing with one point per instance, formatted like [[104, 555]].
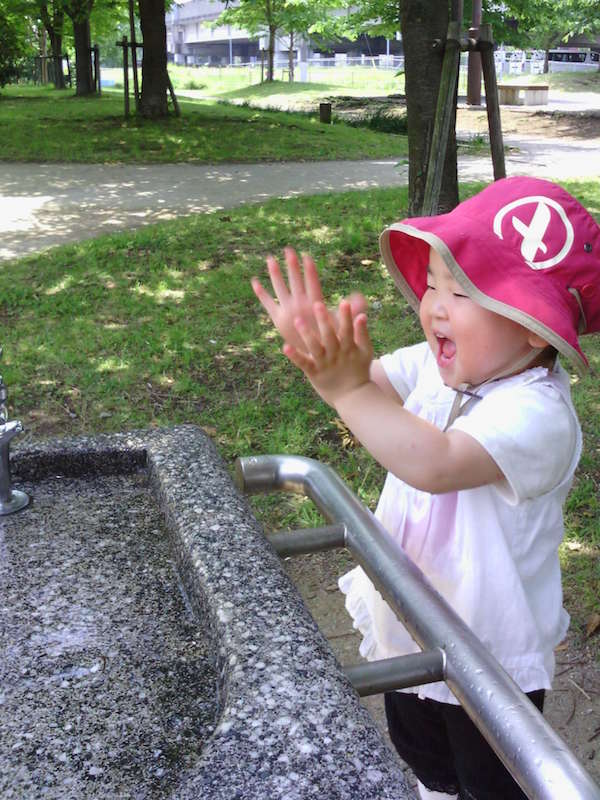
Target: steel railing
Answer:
[[537, 758]]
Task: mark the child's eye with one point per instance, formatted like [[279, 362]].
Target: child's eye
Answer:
[[431, 287], [458, 294]]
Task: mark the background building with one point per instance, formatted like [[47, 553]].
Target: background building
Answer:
[[191, 40]]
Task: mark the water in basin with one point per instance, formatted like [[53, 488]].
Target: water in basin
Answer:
[[106, 687]]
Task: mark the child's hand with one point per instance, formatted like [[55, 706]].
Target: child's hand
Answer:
[[337, 355], [297, 301]]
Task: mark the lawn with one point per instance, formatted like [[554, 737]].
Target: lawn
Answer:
[[159, 327], [42, 124], [219, 81]]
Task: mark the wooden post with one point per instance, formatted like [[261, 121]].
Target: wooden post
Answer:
[[126, 75], [97, 85], [474, 66], [486, 47], [325, 113], [44, 57], [136, 90], [457, 11], [173, 97], [444, 113]]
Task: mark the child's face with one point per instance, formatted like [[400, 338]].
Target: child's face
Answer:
[[470, 343]]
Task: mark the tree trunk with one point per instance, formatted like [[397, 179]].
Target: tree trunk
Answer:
[[83, 57], [291, 58], [155, 81], [422, 22]]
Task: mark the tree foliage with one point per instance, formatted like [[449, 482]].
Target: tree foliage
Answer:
[[272, 18], [540, 24], [16, 43]]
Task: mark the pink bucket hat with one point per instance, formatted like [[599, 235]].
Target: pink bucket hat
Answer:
[[523, 248]]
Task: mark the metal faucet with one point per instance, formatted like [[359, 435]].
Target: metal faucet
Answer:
[[10, 499]]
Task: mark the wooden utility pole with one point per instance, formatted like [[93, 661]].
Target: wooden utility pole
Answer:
[[474, 67]]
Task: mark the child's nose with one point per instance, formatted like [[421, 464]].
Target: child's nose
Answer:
[[439, 308]]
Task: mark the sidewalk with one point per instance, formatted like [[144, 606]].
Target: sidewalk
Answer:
[[42, 205]]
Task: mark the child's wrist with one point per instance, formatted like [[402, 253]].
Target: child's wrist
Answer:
[[351, 396]]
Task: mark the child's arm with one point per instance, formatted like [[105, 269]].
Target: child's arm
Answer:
[[337, 361], [298, 300]]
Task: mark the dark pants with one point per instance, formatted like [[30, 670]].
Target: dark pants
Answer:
[[445, 749]]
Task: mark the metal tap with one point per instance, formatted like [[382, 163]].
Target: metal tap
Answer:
[[10, 499]]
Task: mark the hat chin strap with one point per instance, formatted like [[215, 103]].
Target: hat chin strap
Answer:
[[517, 366]]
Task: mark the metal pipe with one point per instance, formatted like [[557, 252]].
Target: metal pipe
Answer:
[[308, 540], [375, 677], [537, 758]]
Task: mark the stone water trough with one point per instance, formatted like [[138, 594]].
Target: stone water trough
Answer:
[[151, 645]]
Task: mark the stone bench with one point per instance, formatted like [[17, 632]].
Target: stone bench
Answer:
[[522, 94]]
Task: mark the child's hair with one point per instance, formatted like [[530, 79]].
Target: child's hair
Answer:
[[523, 248]]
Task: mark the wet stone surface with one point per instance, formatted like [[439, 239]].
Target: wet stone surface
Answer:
[[111, 686], [106, 685]]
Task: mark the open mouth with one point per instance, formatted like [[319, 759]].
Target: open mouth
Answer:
[[446, 351]]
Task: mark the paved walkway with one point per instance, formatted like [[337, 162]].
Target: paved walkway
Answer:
[[42, 205]]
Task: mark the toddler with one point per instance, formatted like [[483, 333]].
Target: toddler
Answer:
[[479, 436]]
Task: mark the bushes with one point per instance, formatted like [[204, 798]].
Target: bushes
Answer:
[[382, 121]]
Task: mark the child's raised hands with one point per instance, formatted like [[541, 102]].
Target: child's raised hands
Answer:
[[297, 297], [336, 355]]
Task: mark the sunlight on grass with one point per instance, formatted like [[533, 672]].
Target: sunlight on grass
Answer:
[[161, 294], [112, 364], [322, 234], [62, 286]]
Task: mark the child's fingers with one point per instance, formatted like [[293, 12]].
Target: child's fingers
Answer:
[[361, 334], [294, 272], [311, 279], [358, 303], [329, 338], [345, 329], [310, 338], [299, 359], [277, 281], [264, 297]]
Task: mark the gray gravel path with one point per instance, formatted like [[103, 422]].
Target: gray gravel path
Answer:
[[42, 205]]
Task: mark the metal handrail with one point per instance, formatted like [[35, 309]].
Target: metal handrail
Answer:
[[537, 758]]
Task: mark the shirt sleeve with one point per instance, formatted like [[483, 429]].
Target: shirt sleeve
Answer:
[[403, 366], [531, 433]]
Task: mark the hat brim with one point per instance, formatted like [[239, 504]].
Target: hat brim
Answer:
[[504, 288]]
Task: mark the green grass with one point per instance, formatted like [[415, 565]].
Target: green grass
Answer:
[[159, 326], [41, 124], [332, 80]]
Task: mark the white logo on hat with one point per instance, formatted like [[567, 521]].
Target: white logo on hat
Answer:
[[534, 233]]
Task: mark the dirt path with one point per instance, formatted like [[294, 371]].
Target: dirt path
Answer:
[[573, 126]]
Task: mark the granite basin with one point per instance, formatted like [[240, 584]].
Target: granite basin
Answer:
[[151, 644]]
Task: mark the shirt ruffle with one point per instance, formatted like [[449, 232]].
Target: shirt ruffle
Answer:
[[352, 585], [364, 604]]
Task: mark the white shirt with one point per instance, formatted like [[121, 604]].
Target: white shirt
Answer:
[[492, 552]]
